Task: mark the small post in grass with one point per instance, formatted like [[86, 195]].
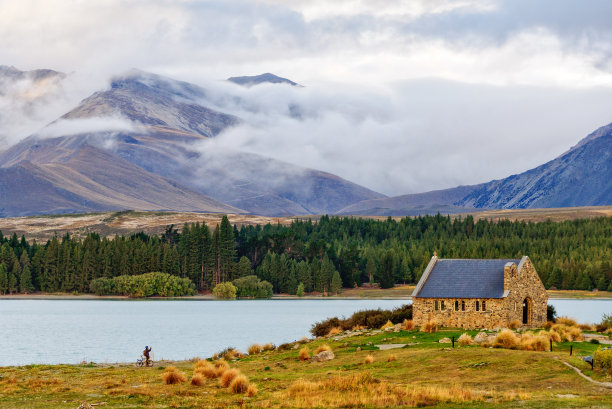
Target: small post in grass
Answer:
[[550, 345], [571, 349], [453, 339], [592, 362]]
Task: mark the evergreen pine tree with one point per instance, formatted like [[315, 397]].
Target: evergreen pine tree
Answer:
[[386, 270], [25, 281], [4, 279], [336, 283]]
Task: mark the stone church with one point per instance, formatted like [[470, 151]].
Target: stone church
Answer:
[[466, 293]]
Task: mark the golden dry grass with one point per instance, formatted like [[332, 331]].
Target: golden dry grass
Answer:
[[240, 384], [255, 349], [388, 324], [304, 354], [392, 358], [205, 369], [570, 322], [172, 376], [220, 367], [567, 333], [269, 347], [532, 342], [251, 391], [465, 339], [429, 327], [407, 325], [227, 377], [587, 327], [506, 339], [334, 331], [321, 348], [369, 359], [198, 380], [514, 324]]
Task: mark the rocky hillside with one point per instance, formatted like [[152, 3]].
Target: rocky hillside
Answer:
[[249, 81]]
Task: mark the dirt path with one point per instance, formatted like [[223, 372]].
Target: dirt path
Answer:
[[588, 378]]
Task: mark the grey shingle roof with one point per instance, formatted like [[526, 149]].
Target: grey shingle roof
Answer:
[[465, 278]]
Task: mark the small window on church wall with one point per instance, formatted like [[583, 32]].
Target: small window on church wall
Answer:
[[436, 305], [456, 305], [484, 306], [442, 305], [477, 305], [462, 305]]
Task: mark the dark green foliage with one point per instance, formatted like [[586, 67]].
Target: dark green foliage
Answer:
[[252, 287], [551, 313], [336, 283], [366, 318], [567, 255], [144, 285]]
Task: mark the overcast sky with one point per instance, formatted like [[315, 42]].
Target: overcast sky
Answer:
[[401, 96]]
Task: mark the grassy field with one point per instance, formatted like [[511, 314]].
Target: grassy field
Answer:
[[423, 373]]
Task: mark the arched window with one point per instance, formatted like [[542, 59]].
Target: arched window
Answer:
[[477, 305], [456, 305], [436, 305], [462, 305], [442, 305], [484, 306]]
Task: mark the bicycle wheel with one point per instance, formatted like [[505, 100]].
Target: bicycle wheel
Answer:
[[139, 363]]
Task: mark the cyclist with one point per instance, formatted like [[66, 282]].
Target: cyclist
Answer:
[[146, 352]]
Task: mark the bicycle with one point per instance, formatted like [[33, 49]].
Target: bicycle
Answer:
[[142, 361]]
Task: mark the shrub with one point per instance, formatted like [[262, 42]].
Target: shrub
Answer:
[[225, 290], [587, 327], [605, 324], [269, 347], [172, 375], [252, 287], [548, 325], [304, 354], [240, 384], [300, 290], [603, 359], [429, 327], [228, 376], [566, 321], [321, 348], [407, 325], [251, 391], [531, 342], [551, 313], [201, 363], [334, 331], [221, 367], [514, 324], [388, 324], [465, 339], [144, 285], [364, 319], [255, 349], [392, 358], [198, 380], [506, 339], [369, 359], [594, 341], [567, 333]]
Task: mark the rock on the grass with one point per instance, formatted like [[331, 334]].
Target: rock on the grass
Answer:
[[323, 356], [85, 405], [445, 341], [481, 337]]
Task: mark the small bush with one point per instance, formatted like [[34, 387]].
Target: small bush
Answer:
[[551, 313], [255, 349], [322, 348], [548, 325], [514, 324], [304, 354], [603, 359], [269, 347], [506, 339], [465, 339], [228, 376], [240, 384], [201, 363], [388, 324], [587, 327], [429, 327], [407, 325], [594, 341], [221, 367], [198, 380], [334, 331], [567, 333], [531, 342], [364, 319], [172, 375], [251, 391], [369, 359], [225, 290], [392, 358]]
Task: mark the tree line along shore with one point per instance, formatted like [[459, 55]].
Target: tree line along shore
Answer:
[[306, 256]]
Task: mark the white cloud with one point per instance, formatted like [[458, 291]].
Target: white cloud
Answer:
[[66, 127]]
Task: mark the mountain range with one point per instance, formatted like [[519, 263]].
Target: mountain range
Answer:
[[141, 144]]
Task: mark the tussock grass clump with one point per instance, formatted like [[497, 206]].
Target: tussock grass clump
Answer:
[[269, 347], [221, 367], [506, 339], [532, 342], [251, 391], [587, 327], [304, 354], [321, 348], [334, 331], [201, 363], [172, 375], [198, 379], [465, 339], [407, 325], [429, 327], [388, 324], [358, 328], [228, 376], [240, 384], [369, 359], [514, 324], [570, 322], [567, 333], [548, 325], [392, 358], [255, 349]]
